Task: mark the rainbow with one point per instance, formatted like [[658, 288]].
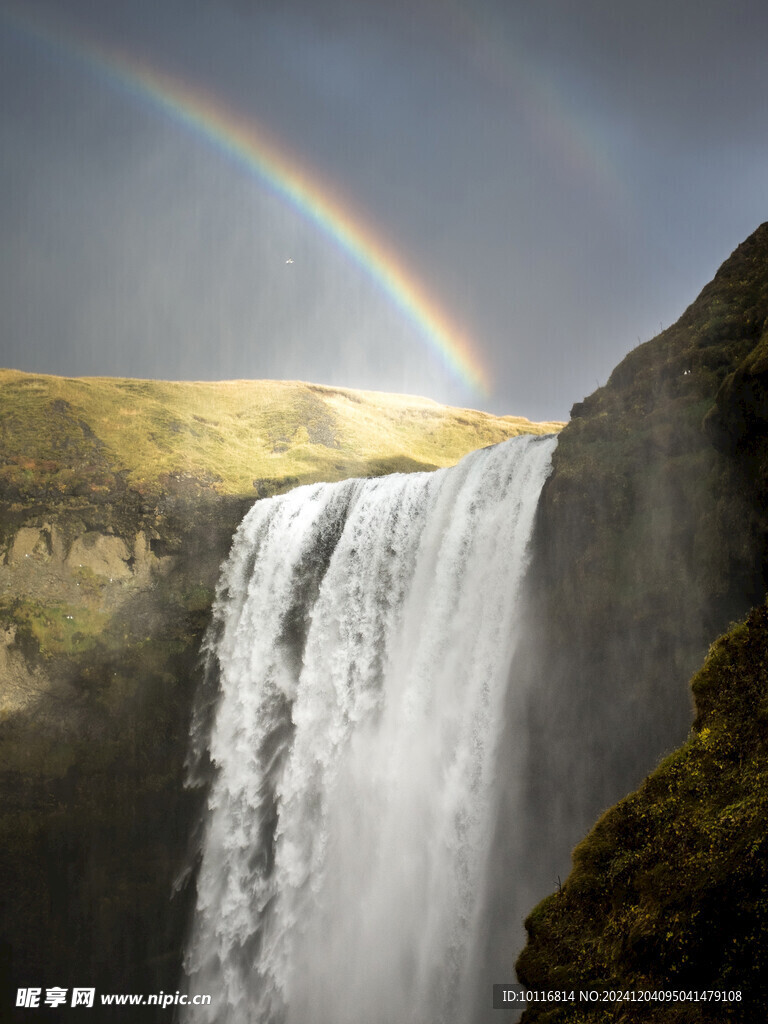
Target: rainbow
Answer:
[[571, 134], [242, 140]]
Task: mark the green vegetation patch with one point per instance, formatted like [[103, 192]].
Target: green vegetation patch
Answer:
[[91, 436], [670, 889], [53, 629]]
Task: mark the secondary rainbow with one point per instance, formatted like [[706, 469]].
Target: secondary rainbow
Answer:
[[243, 140]]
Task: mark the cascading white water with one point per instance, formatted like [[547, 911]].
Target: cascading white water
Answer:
[[363, 634]]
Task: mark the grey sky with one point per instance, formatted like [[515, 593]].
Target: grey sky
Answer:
[[562, 177]]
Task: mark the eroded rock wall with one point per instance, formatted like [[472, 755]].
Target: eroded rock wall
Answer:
[[102, 611]]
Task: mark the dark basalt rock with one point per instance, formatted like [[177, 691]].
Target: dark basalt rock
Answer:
[[650, 539]]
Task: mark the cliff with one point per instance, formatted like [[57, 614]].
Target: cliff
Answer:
[[650, 539], [118, 501], [652, 536]]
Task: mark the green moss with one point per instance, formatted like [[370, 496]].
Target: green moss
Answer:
[[670, 888], [54, 629]]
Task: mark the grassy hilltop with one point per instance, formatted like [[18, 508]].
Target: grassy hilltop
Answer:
[[235, 437]]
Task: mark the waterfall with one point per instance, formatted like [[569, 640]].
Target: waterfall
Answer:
[[362, 637]]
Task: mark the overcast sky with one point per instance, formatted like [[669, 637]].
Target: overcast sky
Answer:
[[561, 177]]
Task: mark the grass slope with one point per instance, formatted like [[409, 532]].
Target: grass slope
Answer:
[[238, 437]]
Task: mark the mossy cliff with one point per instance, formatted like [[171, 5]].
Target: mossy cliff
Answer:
[[650, 539], [118, 501], [670, 888], [652, 527]]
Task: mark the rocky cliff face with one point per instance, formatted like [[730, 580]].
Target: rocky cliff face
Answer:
[[118, 501], [98, 661], [652, 540], [652, 534]]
